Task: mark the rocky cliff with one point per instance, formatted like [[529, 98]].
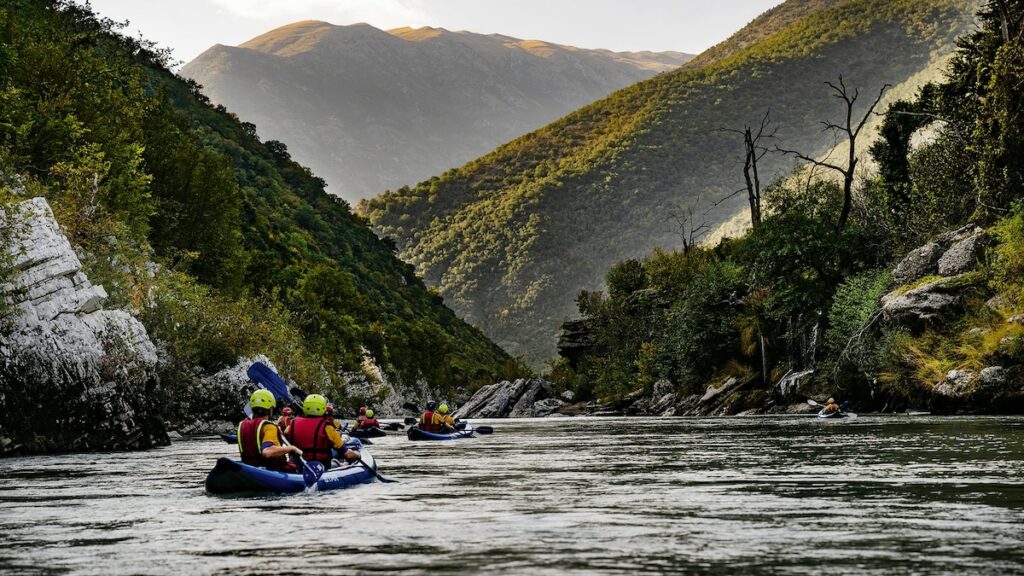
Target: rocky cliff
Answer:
[[73, 376]]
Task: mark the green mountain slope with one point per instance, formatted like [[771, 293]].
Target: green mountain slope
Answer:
[[511, 238], [253, 256]]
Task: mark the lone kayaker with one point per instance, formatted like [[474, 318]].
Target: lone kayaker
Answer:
[[259, 439], [315, 434], [830, 407]]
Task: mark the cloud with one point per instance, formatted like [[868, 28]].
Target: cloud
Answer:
[[386, 13]]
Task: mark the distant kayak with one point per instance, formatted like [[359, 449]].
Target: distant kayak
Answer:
[[822, 414], [233, 477], [367, 433], [417, 434]]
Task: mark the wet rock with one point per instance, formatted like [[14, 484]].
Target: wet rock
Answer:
[[547, 407], [568, 395], [993, 377], [958, 383], [95, 368], [963, 256], [506, 399], [918, 264], [712, 392]]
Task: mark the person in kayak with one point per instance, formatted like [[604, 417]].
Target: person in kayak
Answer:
[[426, 422], [442, 420], [830, 407], [259, 439], [285, 419], [314, 433], [367, 421]]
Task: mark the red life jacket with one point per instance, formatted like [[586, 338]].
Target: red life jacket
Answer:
[[251, 446], [310, 435], [427, 422], [369, 423]]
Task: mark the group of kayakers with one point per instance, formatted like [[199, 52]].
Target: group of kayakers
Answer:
[[437, 419], [313, 435]]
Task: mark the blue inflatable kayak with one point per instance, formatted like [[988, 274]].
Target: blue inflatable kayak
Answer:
[[367, 433], [822, 414], [417, 434], [232, 477]]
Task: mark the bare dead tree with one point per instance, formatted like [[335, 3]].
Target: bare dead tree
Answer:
[[850, 129], [753, 152], [690, 232], [1008, 24]]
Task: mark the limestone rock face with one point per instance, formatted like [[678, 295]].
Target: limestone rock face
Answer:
[[918, 264], [509, 399], [924, 302], [73, 376], [958, 383]]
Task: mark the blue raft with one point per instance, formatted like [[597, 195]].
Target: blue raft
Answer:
[[367, 433], [417, 434], [232, 477]]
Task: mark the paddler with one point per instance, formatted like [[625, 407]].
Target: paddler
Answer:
[[315, 434], [426, 422], [830, 407], [443, 422], [367, 421], [259, 439], [285, 419]]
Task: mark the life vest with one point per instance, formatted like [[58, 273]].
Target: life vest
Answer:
[[284, 422], [369, 423], [250, 446], [427, 422], [310, 435]]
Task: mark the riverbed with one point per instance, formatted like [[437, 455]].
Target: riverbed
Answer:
[[778, 495]]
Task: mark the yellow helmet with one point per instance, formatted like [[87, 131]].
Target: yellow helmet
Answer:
[[262, 399], [314, 405], [369, 412], [443, 408], [831, 401]]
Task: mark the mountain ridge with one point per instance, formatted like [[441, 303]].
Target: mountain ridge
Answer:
[[372, 110]]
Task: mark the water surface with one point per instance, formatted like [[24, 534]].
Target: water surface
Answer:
[[792, 495]]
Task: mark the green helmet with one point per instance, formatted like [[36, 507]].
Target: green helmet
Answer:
[[831, 401], [262, 399], [314, 405], [369, 413], [443, 408]]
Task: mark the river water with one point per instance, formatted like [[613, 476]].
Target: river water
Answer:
[[787, 495]]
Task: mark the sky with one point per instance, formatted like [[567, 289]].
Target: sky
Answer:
[[191, 26]]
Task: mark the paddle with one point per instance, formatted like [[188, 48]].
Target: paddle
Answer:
[[411, 421], [482, 430], [311, 471], [373, 469], [393, 426], [261, 374]]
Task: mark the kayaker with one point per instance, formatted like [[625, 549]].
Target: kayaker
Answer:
[[285, 419], [830, 407], [315, 434], [443, 422], [259, 439], [367, 421], [426, 422]]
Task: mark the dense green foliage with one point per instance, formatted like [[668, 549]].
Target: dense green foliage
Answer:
[[510, 237], [796, 293], [253, 256]]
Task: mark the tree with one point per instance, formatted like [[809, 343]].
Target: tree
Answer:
[[851, 132], [753, 152]]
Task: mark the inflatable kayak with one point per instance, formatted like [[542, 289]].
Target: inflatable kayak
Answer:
[[232, 477], [367, 433], [822, 414], [417, 434]]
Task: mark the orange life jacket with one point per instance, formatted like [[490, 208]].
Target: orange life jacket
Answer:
[[251, 448], [310, 435]]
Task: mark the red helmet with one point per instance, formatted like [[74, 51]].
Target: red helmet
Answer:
[[329, 410], [287, 411], [362, 411]]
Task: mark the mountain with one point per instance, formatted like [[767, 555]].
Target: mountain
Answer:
[[221, 244], [371, 110], [510, 239]]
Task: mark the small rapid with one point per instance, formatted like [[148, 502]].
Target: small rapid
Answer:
[[773, 495]]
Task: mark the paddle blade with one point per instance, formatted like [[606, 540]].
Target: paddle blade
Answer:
[[261, 374], [812, 402], [311, 472], [411, 407], [483, 430], [411, 421]]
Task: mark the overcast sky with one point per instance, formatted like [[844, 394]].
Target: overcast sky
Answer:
[[192, 26]]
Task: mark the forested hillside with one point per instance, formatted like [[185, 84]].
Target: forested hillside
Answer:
[[510, 239], [220, 242], [372, 109], [914, 301]]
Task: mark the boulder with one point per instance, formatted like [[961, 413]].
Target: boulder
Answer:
[[95, 368], [712, 392], [958, 383], [926, 302], [993, 377], [547, 407], [963, 256], [568, 395], [918, 264], [506, 399]]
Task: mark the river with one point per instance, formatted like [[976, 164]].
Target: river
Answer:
[[785, 495]]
